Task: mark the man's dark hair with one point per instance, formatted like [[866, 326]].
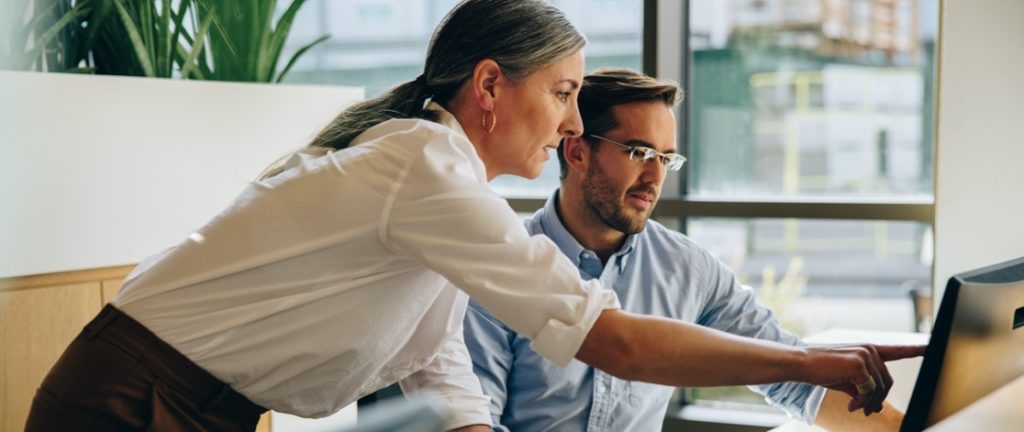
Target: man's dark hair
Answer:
[[605, 88]]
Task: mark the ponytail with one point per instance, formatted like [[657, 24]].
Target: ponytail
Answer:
[[403, 101]]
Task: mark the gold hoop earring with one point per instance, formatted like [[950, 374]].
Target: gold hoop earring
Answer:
[[483, 121]]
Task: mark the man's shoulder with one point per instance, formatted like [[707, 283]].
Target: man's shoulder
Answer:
[[664, 237], [533, 222], [663, 243]]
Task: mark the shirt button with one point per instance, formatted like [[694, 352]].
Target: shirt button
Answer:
[[601, 389]]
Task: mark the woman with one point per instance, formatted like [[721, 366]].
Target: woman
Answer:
[[325, 280]]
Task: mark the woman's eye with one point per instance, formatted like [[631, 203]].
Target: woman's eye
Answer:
[[564, 96]]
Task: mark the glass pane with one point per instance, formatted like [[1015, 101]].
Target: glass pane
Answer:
[[822, 274], [804, 98], [374, 44], [380, 43]]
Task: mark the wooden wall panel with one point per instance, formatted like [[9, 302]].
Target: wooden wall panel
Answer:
[[110, 289], [36, 326], [39, 315], [264, 425]]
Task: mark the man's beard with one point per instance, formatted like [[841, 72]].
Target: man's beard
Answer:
[[602, 198]]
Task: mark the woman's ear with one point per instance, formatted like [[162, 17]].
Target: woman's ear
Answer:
[[485, 75], [576, 152]]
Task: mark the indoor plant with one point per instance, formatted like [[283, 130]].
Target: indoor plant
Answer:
[[191, 39]]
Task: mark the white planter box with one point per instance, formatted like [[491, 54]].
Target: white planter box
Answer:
[[99, 171]]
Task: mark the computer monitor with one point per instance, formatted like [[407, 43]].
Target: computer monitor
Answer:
[[977, 343]]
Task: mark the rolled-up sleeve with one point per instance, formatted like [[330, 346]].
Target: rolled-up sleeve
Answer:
[[733, 308], [443, 215]]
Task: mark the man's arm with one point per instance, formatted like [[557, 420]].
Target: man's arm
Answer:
[[733, 308], [490, 347], [664, 351], [834, 416]]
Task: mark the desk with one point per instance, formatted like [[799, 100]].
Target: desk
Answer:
[[1000, 411]]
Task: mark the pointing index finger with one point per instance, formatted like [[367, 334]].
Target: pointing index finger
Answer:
[[897, 352]]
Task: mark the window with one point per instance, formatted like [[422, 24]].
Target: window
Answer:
[[808, 128]]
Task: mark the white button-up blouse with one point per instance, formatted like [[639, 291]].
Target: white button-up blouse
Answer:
[[328, 281]]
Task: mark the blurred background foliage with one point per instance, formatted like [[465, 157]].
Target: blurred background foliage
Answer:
[[188, 39]]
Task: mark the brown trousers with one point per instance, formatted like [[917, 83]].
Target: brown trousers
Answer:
[[118, 376]]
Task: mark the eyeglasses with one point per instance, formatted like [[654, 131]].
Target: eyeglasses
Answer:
[[671, 161]]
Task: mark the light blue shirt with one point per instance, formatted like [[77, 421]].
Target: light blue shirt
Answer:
[[657, 272]]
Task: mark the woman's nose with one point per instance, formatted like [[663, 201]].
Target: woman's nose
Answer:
[[572, 124]]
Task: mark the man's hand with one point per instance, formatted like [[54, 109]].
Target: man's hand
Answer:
[[859, 371]]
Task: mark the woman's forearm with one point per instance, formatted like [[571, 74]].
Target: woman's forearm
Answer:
[[675, 353], [663, 351]]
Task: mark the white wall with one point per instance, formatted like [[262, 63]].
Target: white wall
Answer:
[[979, 199], [99, 171]]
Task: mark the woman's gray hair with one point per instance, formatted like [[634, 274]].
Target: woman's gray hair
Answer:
[[520, 35]]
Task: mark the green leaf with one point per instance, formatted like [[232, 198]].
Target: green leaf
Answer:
[[189, 62], [81, 70], [218, 26], [136, 40], [46, 37], [164, 37], [94, 23], [177, 19], [299, 53], [284, 27], [143, 18], [180, 54]]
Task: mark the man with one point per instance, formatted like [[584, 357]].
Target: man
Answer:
[[611, 178]]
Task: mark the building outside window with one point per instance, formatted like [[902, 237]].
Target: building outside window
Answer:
[[807, 103]]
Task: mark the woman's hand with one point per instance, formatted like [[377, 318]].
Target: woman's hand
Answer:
[[858, 371]]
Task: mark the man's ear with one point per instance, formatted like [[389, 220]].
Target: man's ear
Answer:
[[577, 153], [485, 75]]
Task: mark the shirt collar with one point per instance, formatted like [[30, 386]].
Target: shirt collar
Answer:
[[556, 231], [446, 118]]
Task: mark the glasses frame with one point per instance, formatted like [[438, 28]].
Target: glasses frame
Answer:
[[670, 161]]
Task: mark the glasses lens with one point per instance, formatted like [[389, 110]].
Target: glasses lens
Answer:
[[674, 162], [649, 153]]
